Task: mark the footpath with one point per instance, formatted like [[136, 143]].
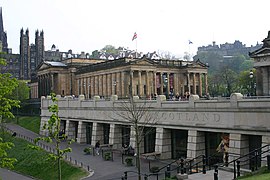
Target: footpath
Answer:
[[98, 168]]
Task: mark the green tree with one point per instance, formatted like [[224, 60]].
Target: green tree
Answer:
[[7, 85], [110, 50], [55, 137], [137, 114]]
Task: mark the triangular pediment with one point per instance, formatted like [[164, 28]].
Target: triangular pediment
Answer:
[[43, 66], [143, 61], [260, 52]]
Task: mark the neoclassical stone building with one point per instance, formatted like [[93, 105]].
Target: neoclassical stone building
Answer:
[[123, 77], [262, 65]]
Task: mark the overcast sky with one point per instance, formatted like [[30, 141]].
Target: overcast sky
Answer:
[[161, 25]]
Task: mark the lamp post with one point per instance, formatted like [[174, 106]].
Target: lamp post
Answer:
[[251, 79]]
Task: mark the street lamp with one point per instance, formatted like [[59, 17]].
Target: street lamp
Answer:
[[251, 75]]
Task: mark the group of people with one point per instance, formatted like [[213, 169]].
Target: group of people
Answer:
[[127, 149]]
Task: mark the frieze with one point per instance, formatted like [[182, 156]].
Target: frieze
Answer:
[[202, 117]]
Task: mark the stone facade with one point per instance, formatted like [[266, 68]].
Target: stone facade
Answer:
[[262, 65], [242, 119], [124, 77]]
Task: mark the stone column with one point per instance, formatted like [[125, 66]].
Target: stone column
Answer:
[[196, 144], [42, 131], [175, 84], [53, 88], [122, 82], [131, 91], [200, 84], [168, 84], [194, 84], [265, 142], [67, 128], [107, 85], [97, 133], [155, 82], [206, 83], [148, 90], [140, 83], [92, 86], [115, 136], [161, 83], [265, 81], [112, 84], [81, 132], [239, 144], [188, 82], [163, 143]]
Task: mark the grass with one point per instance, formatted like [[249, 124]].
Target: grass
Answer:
[[262, 174], [31, 123], [36, 164]]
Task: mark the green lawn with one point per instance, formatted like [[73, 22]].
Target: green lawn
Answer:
[[34, 163], [31, 123], [262, 174]]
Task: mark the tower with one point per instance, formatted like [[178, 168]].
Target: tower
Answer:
[[39, 47], [3, 34], [25, 70]]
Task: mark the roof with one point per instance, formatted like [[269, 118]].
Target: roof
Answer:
[[55, 64]]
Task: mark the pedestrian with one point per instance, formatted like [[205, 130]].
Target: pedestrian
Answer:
[[97, 147]]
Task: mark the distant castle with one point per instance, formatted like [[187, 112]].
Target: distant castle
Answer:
[[229, 49]]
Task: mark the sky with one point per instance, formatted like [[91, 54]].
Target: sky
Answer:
[[161, 25]]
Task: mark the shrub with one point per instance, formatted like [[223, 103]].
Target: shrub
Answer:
[[129, 161], [87, 150], [154, 169], [107, 156]]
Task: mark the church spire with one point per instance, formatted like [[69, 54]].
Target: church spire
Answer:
[[1, 23], [3, 34]]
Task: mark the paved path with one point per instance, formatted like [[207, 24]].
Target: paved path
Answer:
[[6, 174], [106, 170]]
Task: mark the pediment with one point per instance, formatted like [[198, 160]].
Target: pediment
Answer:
[[260, 52], [43, 66], [144, 62]]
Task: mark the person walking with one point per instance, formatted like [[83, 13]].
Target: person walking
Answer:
[[97, 147]]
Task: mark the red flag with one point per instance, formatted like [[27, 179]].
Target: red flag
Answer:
[[134, 36]]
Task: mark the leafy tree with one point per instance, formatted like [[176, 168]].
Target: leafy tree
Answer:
[[7, 85], [138, 115], [55, 136], [21, 92], [110, 50], [212, 59], [95, 54], [246, 84], [246, 65], [229, 79]]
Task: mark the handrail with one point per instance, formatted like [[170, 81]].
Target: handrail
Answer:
[[236, 162]]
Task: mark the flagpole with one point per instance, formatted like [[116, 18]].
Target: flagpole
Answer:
[[136, 48]]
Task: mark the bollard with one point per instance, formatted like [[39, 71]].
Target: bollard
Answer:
[[204, 164], [88, 168], [268, 162], [238, 168], [168, 172], [215, 176], [182, 165], [226, 159], [216, 173], [125, 175], [145, 177]]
